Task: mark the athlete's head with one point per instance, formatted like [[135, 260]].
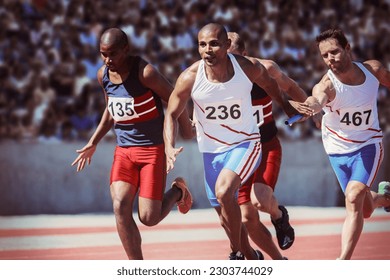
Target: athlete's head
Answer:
[[335, 50], [114, 48], [213, 43], [237, 45], [214, 28], [333, 33]]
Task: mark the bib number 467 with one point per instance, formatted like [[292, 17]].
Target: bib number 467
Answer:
[[356, 119]]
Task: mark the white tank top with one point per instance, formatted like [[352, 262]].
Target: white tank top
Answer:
[[223, 111], [351, 119]]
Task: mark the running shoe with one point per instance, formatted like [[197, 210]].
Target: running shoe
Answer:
[[384, 188], [284, 232], [236, 256], [185, 203], [260, 255]]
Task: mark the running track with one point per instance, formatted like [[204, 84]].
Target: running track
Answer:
[[194, 236]]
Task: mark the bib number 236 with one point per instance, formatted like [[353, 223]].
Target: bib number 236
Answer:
[[228, 112]]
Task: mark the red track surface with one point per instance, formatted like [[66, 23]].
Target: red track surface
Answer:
[[373, 244]]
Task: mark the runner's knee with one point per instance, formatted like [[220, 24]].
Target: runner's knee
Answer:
[[248, 218], [355, 195], [367, 213], [263, 206], [262, 197], [122, 209], [223, 195], [149, 214], [148, 219]]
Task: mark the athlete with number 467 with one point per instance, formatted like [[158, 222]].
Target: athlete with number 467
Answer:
[[351, 135]]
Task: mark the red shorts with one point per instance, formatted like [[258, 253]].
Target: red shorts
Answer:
[[268, 171], [142, 167]]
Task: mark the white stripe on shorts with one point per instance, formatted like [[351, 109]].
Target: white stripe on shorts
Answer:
[[377, 163], [250, 161]]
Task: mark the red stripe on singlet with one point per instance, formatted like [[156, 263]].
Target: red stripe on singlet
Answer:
[[145, 107]]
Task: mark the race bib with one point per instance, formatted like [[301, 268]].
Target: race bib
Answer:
[[122, 108], [359, 118], [224, 112], [258, 114]]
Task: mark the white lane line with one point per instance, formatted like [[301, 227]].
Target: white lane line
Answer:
[[161, 236]]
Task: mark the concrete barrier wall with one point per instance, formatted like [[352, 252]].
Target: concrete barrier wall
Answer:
[[38, 178]]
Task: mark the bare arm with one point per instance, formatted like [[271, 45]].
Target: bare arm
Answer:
[[379, 71], [151, 78], [176, 105], [322, 93], [105, 124], [290, 87], [186, 128], [154, 80], [259, 75], [285, 83]]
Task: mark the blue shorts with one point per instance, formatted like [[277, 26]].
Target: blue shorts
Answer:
[[361, 165], [243, 160]]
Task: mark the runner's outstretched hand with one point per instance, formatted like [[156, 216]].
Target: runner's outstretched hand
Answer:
[[84, 157]]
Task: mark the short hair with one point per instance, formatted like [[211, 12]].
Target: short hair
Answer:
[[237, 42], [222, 33], [333, 33], [114, 36]]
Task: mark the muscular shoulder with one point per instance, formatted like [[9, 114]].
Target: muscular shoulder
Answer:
[[100, 73], [379, 71], [190, 73], [373, 65], [146, 70], [325, 83], [246, 61], [268, 64], [272, 68], [188, 76], [325, 87], [251, 66], [193, 69], [150, 76]]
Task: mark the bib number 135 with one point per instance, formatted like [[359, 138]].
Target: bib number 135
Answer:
[[121, 109]]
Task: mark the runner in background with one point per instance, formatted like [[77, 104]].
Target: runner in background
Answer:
[[251, 199]]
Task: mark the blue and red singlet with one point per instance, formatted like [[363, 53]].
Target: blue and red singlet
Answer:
[[136, 109]]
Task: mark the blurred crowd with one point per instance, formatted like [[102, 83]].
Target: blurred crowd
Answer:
[[49, 51]]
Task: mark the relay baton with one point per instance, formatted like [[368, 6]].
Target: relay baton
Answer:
[[293, 119]]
